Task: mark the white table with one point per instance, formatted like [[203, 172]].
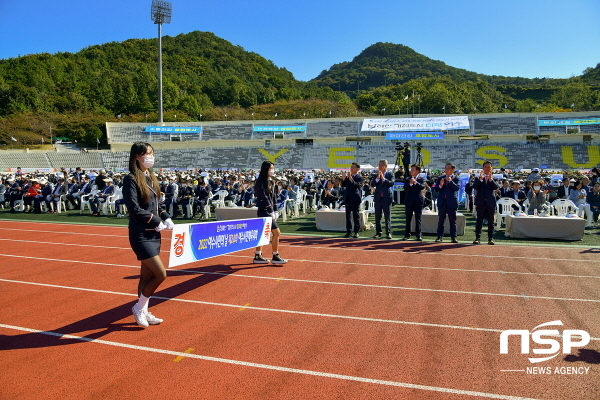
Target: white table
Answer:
[[230, 213], [333, 220], [429, 223], [534, 227]]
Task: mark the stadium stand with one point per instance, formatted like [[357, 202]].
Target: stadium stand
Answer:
[[504, 125], [83, 160]]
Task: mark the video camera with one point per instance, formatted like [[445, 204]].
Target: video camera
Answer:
[[419, 147]]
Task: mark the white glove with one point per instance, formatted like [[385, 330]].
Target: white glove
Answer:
[[275, 214], [169, 224], [160, 227]]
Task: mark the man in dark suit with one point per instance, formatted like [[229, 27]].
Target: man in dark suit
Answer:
[[564, 190], [485, 202], [414, 200], [516, 193], [353, 183], [102, 197], [447, 202], [405, 152], [383, 183]]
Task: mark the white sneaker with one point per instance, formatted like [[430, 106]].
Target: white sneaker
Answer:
[[140, 317], [152, 320], [120, 215]]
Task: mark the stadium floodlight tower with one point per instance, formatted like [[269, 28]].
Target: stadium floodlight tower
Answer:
[[161, 14]]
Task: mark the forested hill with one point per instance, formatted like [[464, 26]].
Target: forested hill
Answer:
[[200, 71], [385, 64]]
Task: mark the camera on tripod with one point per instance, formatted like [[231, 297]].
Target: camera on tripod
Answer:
[[419, 147]]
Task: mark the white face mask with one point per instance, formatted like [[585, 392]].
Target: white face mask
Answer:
[[536, 188], [271, 172], [148, 161]]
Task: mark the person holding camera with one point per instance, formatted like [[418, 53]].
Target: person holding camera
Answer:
[[485, 202], [383, 183], [405, 152]]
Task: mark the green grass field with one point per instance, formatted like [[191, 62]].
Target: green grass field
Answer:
[[306, 226]]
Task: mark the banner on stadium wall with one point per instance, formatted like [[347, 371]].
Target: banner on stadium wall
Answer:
[[194, 242], [562, 122], [29, 170], [175, 130], [279, 128], [414, 135], [410, 124]]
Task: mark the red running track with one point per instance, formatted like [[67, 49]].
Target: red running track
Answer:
[[344, 319]]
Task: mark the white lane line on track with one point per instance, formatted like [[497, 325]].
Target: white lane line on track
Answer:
[[72, 244], [270, 367], [322, 282], [348, 317], [347, 263]]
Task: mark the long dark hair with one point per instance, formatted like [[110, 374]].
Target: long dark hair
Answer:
[[140, 149], [263, 176]]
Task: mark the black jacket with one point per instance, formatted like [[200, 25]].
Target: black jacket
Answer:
[[142, 215]]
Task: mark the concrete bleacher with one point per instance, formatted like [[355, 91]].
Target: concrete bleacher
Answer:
[[24, 160], [115, 160], [505, 125], [83, 160]]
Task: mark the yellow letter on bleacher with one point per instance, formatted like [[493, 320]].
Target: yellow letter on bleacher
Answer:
[[272, 157], [569, 158], [334, 157]]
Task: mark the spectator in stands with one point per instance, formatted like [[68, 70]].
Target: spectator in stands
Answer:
[[185, 200], [293, 193], [595, 176], [267, 207], [565, 189], [201, 196], [282, 194], [585, 182], [578, 196], [447, 187], [593, 199], [485, 202], [311, 190], [47, 189], [77, 175], [100, 179], [330, 195], [57, 194], [537, 196], [34, 190], [85, 187], [516, 193], [414, 201], [534, 175], [503, 191], [102, 197]]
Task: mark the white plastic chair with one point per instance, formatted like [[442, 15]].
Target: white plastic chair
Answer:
[[220, 202], [301, 200], [506, 204], [564, 206], [85, 200], [368, 204]]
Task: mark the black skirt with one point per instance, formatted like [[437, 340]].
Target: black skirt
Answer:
[[145, 244], [263, 214]]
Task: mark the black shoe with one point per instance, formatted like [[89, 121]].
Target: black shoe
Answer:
[[347, 235], [277, 260], [355, 236], [377, 236], [477, 241], [491, 241], [406, 237], [388, 236], [453, 240], [259, 259], [419, 239], [438, 239]]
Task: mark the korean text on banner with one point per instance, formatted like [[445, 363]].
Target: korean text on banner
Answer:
[[194, 242], [412, 124]]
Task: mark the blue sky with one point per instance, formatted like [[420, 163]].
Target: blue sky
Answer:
[[529, 38]]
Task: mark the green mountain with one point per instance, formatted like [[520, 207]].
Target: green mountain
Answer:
[[200, 71], [384, 64]]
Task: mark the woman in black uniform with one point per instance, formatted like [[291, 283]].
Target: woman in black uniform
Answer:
[[141, 192], [267, 207]]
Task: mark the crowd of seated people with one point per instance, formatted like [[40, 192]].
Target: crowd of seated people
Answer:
[[189, 193]]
